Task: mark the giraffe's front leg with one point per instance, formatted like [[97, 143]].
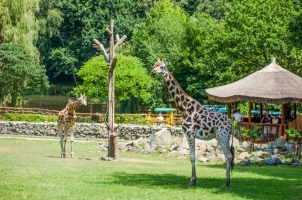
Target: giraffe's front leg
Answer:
[[71, 141], [61, 141], [191, 142], [65, 139]]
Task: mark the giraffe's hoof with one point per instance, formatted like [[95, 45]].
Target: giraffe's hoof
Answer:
[[192, 183], [63, 155], [226, 184]]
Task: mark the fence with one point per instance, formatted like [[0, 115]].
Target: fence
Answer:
[[171, 118], [297, 123]]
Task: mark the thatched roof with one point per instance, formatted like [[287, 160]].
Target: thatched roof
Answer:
[[272, 84]]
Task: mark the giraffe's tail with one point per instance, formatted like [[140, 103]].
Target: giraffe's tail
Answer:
[[232, 149]]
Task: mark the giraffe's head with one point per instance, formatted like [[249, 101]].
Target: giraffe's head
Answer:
[[159, 67], [82, 100]]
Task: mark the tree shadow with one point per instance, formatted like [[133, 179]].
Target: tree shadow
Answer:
[[53, 156], [271, 187]]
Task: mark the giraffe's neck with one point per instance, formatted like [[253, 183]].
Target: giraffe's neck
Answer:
[[73, 105], [180, 97]]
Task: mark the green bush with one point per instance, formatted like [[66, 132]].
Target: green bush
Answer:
[[30, 117], [131, 119], [120, 119]]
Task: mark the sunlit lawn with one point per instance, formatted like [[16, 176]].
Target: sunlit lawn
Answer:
[[33, 169]]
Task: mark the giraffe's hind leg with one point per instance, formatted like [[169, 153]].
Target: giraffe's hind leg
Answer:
[[71, 142], [224, 143], [191, 142]]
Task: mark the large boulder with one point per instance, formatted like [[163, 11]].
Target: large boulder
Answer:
[[162, 137], [213, 142]]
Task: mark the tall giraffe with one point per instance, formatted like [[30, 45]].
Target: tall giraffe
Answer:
[[66, 120], [199, 122]]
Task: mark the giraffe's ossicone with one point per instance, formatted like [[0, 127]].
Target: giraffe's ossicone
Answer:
[[66, 120], [198, 122]]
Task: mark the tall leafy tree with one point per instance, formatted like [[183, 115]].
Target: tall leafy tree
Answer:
[[18, 23], [162, 35], [212, 7], [132, 84], [49, 19], [258, 30], [19, 72], [70, 45], [223, 51]]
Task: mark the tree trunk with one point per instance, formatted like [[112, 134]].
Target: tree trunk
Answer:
[[111, 62]]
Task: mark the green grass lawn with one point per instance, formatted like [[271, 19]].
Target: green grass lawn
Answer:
[[33, 169]]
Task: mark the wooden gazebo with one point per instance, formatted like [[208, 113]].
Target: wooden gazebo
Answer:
[[272, 84]]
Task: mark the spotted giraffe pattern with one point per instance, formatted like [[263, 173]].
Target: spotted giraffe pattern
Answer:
[[66, 120], [198, 122]]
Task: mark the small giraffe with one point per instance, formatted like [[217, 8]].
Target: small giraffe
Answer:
[[199, 122], [66, 120]]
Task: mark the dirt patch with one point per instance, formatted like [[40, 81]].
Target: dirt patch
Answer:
[[127, 160], [7, 149], [140, 161]]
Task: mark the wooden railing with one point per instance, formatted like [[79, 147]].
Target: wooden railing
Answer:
[[297, 123], [281, 129]]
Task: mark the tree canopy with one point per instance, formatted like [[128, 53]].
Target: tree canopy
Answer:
[[207, 43], [132, 84], [19, 72]]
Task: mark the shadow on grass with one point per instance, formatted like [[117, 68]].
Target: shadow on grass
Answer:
[[272, 187], [277, 171], [53, 156]]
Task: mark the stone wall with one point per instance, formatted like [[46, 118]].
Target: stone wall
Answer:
[[84, 130]]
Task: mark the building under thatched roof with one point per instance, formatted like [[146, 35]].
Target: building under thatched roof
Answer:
[[272, 84]]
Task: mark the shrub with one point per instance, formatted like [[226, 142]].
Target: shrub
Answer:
[[131, 119], [294, 134], [30, 117]]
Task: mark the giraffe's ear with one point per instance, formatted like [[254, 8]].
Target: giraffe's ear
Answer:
[[158, 59]]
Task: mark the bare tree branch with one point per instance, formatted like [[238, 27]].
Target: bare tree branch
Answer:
[[120, 41], [99, 45]]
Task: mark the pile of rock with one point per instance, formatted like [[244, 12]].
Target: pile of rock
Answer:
[[163, 143]]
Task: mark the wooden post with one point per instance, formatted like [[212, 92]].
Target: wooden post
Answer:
[[282, 130], [250, 111], [261, 111], [295, 110], [235, 105], [111, 62], [229, 110], [171, 117]]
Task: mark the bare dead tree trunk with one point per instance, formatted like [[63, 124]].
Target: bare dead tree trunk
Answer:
[[111, 62]]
